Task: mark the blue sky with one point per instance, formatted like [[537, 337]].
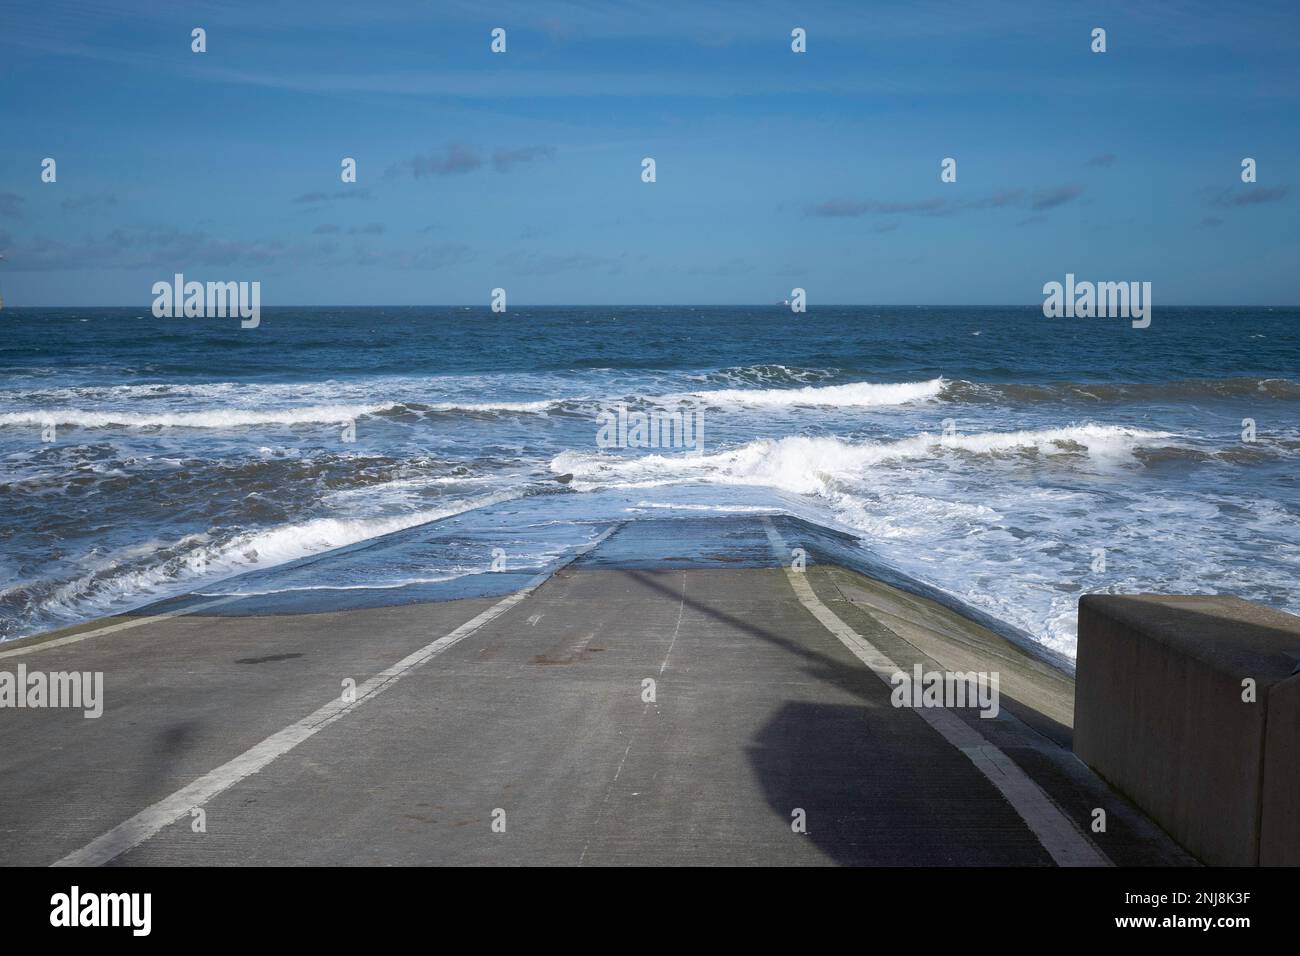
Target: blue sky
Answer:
[[775, 169]]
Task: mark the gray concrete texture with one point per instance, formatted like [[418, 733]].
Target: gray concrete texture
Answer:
[[759, 710], [1160, 714]]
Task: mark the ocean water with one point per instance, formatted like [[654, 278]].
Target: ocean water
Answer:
[[1010, 461]]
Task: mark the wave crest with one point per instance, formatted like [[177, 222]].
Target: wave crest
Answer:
[[810, 465], [851, 395], [212, 418]]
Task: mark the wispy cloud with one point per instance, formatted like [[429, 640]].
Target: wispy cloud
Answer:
[[547, 263], [1103, 160], [1249, 195], [89, 201], [937, 206], [147, 248], [1056, 196], [455, 159], [505, 160], [320, 197], [431, 258], [169, 249], [77, 28], [851, 208]]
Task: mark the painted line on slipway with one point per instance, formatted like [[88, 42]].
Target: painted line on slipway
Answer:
[[148, 822], [134, 622], [1063, 841]]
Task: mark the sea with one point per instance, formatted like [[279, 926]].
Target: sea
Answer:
[[1005, 460]]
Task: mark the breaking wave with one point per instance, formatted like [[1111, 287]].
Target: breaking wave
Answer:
[[215, 418], [158, 569], [854, 394], [806, 465]]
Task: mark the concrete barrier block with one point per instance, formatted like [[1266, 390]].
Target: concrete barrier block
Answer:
[[1160, 715], [1279, 842]]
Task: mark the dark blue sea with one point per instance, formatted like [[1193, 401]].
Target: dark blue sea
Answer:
[[1003, 458]]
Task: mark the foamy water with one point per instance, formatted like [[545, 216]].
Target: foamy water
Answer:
[[854, 394], [1014, 470]]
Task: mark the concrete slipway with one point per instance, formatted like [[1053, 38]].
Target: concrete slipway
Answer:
[[529, 708]]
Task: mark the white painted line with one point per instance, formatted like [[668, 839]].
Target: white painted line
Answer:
[[609, 790], [681, 609], [151, 820], [111, 628], [1063, 841]]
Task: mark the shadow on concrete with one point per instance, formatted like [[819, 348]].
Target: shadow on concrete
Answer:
[[878, 786], [875, 794]]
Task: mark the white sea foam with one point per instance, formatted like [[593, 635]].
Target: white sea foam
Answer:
[[719, 509], [197, 557], [212, 418], [1005, 520], [941, 508], [538, 406], [808, 465], [223, 404], [852, 395], [391, 585]]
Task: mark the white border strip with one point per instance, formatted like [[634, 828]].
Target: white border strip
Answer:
[[1066, 844], [150, 821]]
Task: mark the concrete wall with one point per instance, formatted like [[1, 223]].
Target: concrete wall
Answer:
[[1280, 833], [1159, 715]]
